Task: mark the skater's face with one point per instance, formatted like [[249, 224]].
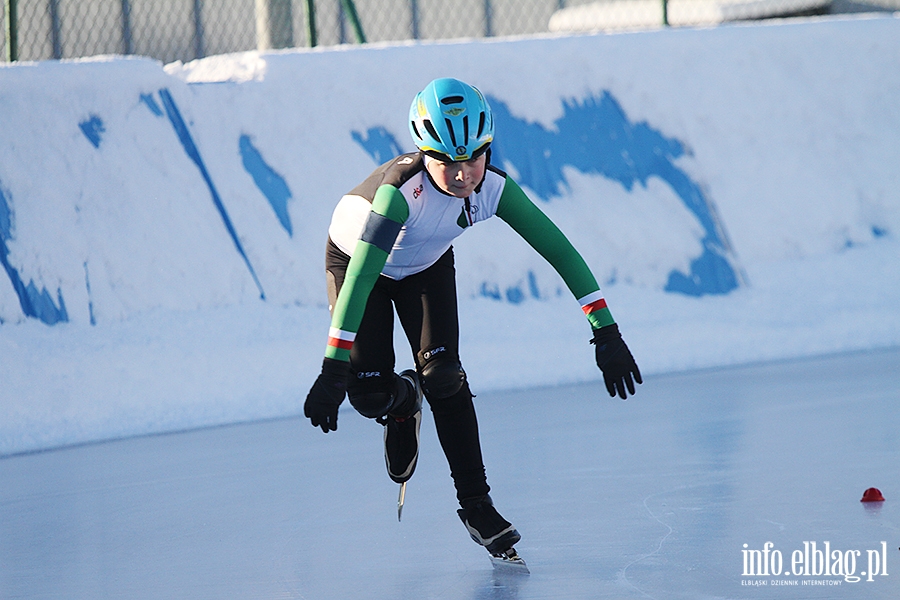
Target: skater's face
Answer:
[[457, 178]]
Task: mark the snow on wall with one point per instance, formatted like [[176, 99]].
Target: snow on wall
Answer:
[[696, 170], [188, 195]]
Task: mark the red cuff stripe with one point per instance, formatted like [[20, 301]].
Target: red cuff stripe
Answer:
[[339, 343], [594, 306]]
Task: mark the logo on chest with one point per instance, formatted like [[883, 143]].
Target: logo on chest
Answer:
[[467, 215]]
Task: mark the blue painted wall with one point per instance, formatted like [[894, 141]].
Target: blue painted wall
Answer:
[[35, 302], [596, 137]]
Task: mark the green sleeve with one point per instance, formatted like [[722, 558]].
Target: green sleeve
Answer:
[[389, 212], [517, 210]]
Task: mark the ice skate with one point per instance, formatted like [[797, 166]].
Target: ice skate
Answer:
[[487, 527], [401, 434]]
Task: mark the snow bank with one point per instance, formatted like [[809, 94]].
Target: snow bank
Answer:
[[161, 229]]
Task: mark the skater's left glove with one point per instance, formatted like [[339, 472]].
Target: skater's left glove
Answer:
[[326, 395], [615, 360]]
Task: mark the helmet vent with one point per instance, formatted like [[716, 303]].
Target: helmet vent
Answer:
[[452, 133], [431, 130], [444, 118]]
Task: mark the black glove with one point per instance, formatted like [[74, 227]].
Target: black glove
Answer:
[[326, 395], [615, 360]]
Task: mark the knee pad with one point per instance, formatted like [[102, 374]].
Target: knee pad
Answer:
[[442, 374], [371, 394], [372, 405]]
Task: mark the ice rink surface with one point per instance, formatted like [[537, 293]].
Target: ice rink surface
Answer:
[[655, 497]]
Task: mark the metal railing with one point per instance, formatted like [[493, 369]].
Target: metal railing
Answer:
[[170, 30]]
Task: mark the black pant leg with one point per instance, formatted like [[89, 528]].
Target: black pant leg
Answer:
[[457, 429], [427, 308]]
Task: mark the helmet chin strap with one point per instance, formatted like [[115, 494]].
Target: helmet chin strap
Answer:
[[487, 161]]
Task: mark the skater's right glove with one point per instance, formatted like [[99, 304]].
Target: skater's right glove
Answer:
[[327, 393], [615, 360]]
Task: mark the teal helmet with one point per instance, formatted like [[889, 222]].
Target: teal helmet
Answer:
[[451, 120]]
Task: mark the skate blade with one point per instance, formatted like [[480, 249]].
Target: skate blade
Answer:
[[509, 562], [401, 499]]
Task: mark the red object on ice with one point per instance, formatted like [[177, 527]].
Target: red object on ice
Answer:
[[872, 495]]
